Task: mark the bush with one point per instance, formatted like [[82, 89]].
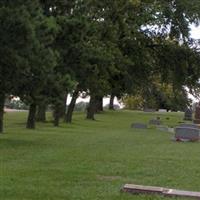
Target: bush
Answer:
[[133, 102]]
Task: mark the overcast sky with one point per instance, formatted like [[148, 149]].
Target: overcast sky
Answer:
[[195, 32]]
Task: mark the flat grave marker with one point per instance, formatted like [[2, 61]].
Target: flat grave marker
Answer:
[[187, 134], [189, 125], [141, 189], [139, 126], [162, 110], [149, 110]]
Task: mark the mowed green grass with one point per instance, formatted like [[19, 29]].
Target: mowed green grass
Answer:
[[92, 160]]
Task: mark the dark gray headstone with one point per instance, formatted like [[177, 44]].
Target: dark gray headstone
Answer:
[[149, 110], [187, 134], [155, 122], [188, 114], [139, 125], [189, 126]]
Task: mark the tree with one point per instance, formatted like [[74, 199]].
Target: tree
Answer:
[[37, 57], [17, 38]]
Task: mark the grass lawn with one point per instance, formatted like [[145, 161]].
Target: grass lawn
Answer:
[[92, 160]]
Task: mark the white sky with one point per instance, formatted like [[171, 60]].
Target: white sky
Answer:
[[195, 32]]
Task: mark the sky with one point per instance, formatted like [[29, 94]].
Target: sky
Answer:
[[195, 32]]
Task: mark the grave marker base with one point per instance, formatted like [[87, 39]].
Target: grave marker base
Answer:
[[141, 189]]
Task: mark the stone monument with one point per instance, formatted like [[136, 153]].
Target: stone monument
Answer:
[[139, 125], [197, 114], [188, 114], [187, 134]]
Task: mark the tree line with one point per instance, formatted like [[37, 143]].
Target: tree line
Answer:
[[52, 48]]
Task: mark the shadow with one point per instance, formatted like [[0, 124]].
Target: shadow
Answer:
[[13, 143]]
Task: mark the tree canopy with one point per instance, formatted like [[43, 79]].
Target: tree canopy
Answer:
[[52, 48]]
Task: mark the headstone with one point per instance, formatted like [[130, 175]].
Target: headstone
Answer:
[[187, 134], [197, 114], [154, 122], [139, 125], [189, 125], [188, 114], [162, 110], [165, 129], [171, 130], [149, 110], [167, 192]]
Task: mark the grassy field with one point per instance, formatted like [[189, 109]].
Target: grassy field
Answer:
[[91, 160]]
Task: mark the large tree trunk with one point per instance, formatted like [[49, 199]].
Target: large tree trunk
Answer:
[[91, 108], [56, 117], [41, 112], [57, 113], [31, 116], [64, 106], [71, 106], [2, 101], [111, 105], [99, 104]]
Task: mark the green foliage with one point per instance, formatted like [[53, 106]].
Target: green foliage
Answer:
[[15, 48], [103, 47], [159, 96], [133, 102]]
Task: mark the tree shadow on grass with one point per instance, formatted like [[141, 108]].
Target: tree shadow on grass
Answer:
[[13, 143]]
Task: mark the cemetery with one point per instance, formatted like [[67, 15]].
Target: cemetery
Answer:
[[53, 163], [99, 100]]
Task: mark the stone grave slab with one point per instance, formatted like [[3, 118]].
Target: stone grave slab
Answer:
[[139, 125], [141, 189], [189, 125], [162, 110], [187, 134], [181, 193], [149, 110]]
